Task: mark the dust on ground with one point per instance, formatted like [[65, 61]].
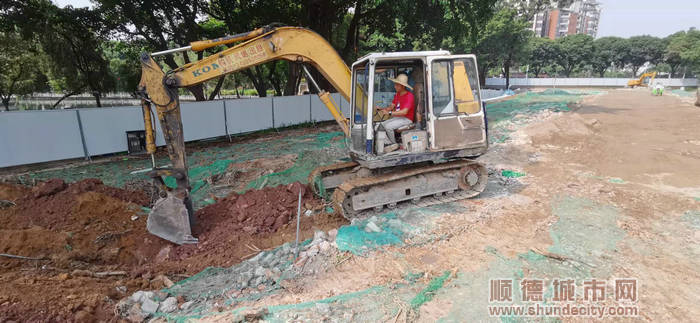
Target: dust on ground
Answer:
[[607, 190]]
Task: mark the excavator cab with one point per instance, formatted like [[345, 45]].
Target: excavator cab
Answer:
[[449, 118]]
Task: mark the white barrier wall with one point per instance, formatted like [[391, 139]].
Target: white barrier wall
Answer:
[[28, 137], [584, 82], [39, 136]]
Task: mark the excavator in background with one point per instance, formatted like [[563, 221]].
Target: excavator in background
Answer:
[[436, 158], [644, 80]]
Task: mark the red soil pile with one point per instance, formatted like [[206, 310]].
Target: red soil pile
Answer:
[[90, 226]]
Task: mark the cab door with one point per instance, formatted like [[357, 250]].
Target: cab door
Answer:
[[456, 116]]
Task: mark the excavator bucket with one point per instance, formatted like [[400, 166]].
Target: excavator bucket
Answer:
[[170, 220]]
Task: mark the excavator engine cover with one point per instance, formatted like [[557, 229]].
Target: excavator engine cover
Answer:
[[170, 220]]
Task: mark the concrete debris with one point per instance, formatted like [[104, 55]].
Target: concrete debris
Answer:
[[150, 306], [169, 305], [372, 227], [260, 273], [141, 296], [186, 305]]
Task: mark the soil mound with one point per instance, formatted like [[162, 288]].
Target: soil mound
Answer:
[[84, 228]]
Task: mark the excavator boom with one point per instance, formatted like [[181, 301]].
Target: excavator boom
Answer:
[[172, 216]]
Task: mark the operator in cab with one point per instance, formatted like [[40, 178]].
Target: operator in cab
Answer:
[[400, 111]]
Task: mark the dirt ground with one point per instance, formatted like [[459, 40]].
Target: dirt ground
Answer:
[[611, 191], [89, 246]]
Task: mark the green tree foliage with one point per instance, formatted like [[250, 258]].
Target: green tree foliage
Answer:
[[71, 41], [643, 49], [604, 54], [161, 24], [505, 41], [123, 59], [543, 53], [19, 62], [672, 54], [575, 51]]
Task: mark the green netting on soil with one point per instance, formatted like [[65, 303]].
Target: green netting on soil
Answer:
[[511, 174], [517, 109], [692, 218], [312, 150], [586, 233], [392, 228], [427, 294], [683, 93]]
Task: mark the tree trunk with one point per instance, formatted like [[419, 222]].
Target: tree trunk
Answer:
[[697, 97], [6, 103], [217, 89], [635, 69], [293, 78], [198, 92], [97, 99], [258, 82], [350, 39], [235, 85], [506, 69], [276, 84], [63, 98], [602, 73]]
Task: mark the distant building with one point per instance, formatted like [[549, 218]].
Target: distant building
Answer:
[[581, 17]]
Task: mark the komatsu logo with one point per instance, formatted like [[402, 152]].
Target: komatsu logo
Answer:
[[206, 69]]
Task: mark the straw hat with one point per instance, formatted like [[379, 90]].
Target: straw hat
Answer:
[[401, 79]]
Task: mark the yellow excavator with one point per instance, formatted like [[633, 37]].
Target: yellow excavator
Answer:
[[437, 151], [644, 80]]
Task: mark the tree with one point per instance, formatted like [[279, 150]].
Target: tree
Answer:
[[688, 48], [543, 52], [506, 37], [603, 54], [672, 55], [643, 49], [18, 62], [124, 63], [161, 24], [71, 41], [575, 51]]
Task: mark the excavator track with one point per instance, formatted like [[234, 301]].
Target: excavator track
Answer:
[[316, 175], [446, 182]]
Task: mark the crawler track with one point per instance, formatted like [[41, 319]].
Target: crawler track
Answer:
[[423, 185]]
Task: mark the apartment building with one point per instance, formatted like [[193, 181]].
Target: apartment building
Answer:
[[581, 17]]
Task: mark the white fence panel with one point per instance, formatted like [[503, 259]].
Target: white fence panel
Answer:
[[319, 112], [246, 115], [291, 110], [201, 120], [105, 128], [580, 82], [28, 137]]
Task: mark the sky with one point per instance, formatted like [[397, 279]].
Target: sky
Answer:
[[660, 18], [622, 18]]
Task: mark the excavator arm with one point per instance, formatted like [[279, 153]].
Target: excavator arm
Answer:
[[172, 216]]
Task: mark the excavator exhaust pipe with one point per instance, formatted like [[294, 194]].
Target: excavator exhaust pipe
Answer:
[[170, 219]]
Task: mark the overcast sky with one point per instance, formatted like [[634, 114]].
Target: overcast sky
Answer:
[[621, 18]]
